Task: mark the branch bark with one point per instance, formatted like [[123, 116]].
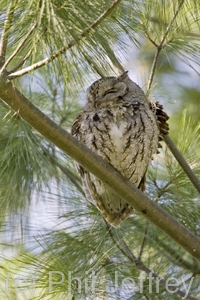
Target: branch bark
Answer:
[[97, 166], [182, 162]]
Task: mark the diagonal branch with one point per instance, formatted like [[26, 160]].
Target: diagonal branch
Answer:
[[21, 44], [182, 162], [195, 181], [126, 251], [97, 166], [171, 22], [22, 61], [70, 44], [176, 257], [168, 250], [153, 69], [25, 58], [143, 240], [160, 46], [4, 37]]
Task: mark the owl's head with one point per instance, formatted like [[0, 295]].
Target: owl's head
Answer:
[[109, 91]]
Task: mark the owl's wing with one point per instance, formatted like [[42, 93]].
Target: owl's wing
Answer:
[[75, 128], [75, 131], [87, 184], [141, 186], [161, 116]]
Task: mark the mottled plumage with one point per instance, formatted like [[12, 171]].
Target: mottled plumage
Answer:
[[121, 126]]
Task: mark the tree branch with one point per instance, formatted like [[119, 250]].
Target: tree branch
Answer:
[[175, 255], [153, 68], [182, 162], [160, 46], [21, 44], [171, 22], [143, 240], [97, 166], [21, 62], [4, 37], [193, 178], [123, 247], [24, 59], [67, 47]]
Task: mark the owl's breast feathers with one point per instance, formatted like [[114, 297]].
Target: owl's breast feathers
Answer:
[[126, 137], [126, 133]]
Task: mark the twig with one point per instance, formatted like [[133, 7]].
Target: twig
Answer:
[[4, 37], [171, 22], [143, 240], [70, 44], [123, 247], [160, 46], [21, 44], [22, 61], [186, 168], [153, 68], [195, 181], [150, 39], [176, 256], [160, 22], [167, 248]]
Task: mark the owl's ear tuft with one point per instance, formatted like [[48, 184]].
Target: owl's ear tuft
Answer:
[[123, 76]]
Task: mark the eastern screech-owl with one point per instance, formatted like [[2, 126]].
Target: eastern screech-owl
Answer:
[[121, 126]]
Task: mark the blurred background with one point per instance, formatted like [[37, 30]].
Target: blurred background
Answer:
[[46, 222]]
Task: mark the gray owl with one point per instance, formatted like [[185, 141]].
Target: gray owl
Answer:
[[121, 126]]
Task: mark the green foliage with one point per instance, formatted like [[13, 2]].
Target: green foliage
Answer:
[[32, 170]]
